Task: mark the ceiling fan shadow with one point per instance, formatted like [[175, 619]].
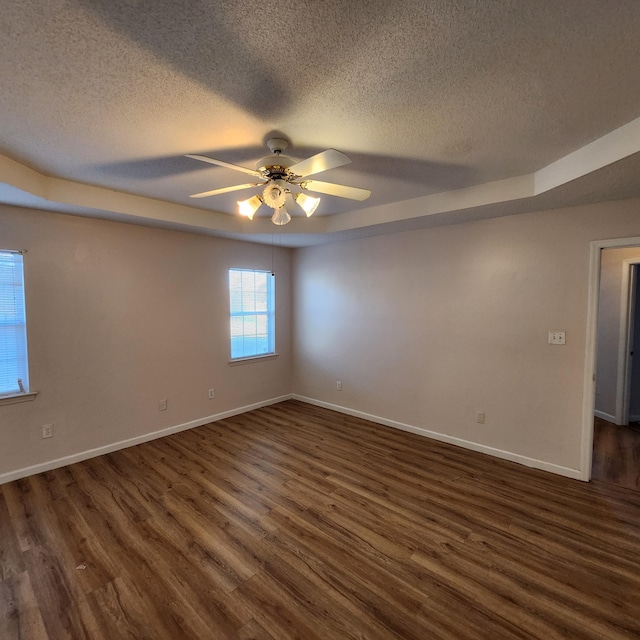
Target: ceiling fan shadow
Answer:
[[389, 178], [200, 42], [438, 176], [170, 166]]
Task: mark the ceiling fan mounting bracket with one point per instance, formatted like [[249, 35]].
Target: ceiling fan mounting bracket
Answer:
[[277, 145]]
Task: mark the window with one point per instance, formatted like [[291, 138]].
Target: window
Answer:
[[14, 367], [252, 297]]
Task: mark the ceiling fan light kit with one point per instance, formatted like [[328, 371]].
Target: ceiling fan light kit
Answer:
[[278, 174]]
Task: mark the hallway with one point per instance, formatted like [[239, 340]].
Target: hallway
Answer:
[[616, 454]]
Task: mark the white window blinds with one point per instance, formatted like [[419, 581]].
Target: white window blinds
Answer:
[[252, 304], [14, 367]]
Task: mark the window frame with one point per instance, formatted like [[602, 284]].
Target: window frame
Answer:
[[269, 314], [13, 290]]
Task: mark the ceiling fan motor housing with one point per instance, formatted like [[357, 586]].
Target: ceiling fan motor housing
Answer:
[[275, 166]]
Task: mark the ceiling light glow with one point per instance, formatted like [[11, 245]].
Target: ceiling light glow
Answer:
[[308, 203], [248, 207]]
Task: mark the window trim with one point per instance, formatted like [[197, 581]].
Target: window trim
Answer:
[[25, 394], [248, 359], [15, 398], [270, 314]]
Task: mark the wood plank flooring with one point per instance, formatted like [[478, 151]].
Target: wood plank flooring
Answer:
[[296, 522], [616, 454]]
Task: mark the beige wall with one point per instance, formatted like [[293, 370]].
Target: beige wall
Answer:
[[426, 328], [120, 316]]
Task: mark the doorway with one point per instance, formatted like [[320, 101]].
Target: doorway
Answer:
[[631, 401], [616, 454], [616, 439], [617, 379]]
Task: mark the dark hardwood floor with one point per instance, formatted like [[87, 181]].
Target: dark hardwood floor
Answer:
[[616, 454], [297, 522]]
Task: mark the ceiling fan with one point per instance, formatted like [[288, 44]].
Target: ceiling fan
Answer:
[[285, 181]]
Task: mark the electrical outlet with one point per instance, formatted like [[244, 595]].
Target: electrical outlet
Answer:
[[480, 417], [557, 337], [47, 431], [212, 394], [162, 405], [339, 385]]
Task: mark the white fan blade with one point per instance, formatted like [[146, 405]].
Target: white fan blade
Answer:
[[329, 159], [353, 193], [215, 192], [228, 165]]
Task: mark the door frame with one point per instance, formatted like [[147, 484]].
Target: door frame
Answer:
[[589, 384], [625, 337]]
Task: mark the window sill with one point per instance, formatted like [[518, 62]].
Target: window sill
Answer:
[[247, 360], [18, 397]]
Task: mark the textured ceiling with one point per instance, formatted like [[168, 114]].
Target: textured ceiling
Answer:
[[426, 98]]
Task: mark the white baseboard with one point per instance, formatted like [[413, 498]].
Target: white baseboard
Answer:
[[130, 442], [605, 416], [459, 442]]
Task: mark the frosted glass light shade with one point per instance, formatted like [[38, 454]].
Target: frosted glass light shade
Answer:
[[308, 203], [248, 207], [280, 217]]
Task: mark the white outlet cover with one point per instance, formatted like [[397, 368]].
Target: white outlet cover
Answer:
[[557, 337]]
